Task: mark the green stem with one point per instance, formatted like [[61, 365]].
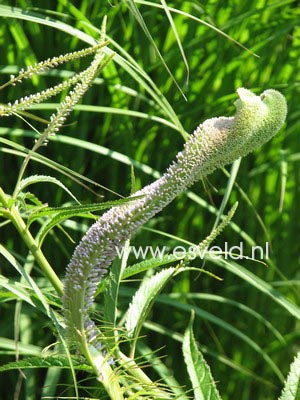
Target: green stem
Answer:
[[30, 242], [103, 371], [23, 168]]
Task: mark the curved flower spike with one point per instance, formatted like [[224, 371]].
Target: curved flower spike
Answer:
[[215, 143]]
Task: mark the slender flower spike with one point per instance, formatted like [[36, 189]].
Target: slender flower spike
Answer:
[[215, 143], [52, 63], [25, 102]]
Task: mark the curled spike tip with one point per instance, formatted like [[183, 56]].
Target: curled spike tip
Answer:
[[215, 143]]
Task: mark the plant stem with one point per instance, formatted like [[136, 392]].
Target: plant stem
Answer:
[[104, 372], [30, 242]]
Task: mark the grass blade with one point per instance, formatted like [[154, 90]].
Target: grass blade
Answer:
[[261, 285], [135, 11], [172, 23]]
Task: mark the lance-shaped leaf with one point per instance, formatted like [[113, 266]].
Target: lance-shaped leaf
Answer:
[[199, 372], [143, 298], [291, 390]]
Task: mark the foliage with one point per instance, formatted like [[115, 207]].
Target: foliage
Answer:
[[291, 389]]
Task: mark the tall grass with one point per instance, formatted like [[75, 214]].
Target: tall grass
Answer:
[[176, 64]]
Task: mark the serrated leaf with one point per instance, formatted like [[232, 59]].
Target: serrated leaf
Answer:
[[79, 209], [43, 362], [22, 197], [17, 289], [143, 298], [148, 264], [46, 179], [199, 372], [291, 390], [59, 214]]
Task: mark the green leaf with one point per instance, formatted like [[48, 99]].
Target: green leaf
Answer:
[[43, 362], [31, 198], [63, 213], [199, 372], [76, 210], [291, 390], [18, 13], [43, 178], [143, 299], [19, 290], [148, 264]]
